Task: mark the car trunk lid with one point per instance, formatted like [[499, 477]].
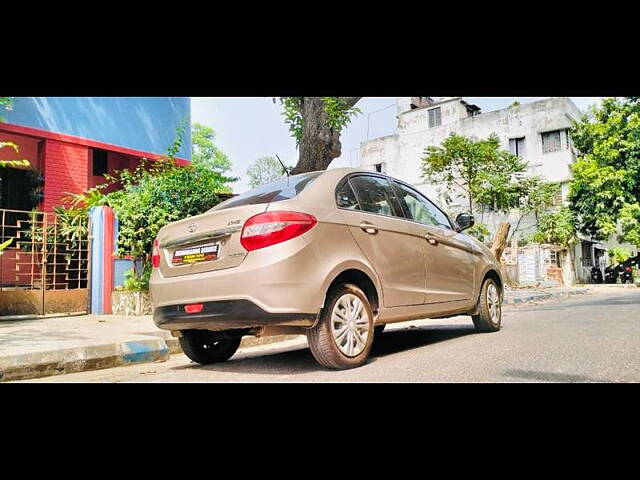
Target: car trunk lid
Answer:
[[206, 242]]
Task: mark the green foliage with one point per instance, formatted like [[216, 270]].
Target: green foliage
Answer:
[[7, 103], [536, 195], [154, 194], [175, 146], [204, 150], [479, 231], [605, 193], [5, 245], [556, 228], [264, 170], [339, 114], [619, 255], [13, 163], [135, 282], [157, 194], [293, 116], [487, 175]]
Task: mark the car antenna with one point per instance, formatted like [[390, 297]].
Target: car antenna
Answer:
[[283, 166]]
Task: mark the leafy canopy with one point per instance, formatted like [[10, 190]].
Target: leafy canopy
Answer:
[[7, 103], [264, 170], [204, 150], [154, 194], [604, 195], [556, 228], [481, 171], [339, 114], [13, 163]]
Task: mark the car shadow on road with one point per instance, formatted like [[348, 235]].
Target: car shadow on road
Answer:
[[300, 360]]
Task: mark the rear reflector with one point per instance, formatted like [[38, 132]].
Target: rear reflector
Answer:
[[155, 254], [270, 228], [193, 308]]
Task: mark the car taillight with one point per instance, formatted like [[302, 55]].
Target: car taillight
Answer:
[[155, 254], [269, 228]]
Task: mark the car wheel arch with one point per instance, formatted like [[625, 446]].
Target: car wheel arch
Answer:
[[359, 277], [494, 275]]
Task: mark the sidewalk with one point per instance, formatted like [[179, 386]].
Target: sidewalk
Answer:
[[514, 296], [53, 346]]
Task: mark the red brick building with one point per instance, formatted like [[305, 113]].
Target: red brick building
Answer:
[[122, 132]]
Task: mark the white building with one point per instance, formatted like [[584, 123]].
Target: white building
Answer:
[[537, 131]]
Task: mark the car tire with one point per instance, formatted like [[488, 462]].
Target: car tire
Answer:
[[336, 341], [489, 317], [379, 329], [206, 347]]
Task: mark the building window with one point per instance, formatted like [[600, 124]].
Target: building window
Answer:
[[99, 162], [587, 254], [435, 117], [379, 167], [551, 142], [516, 146]]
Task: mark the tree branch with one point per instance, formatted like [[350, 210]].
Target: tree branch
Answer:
[[350, 101]]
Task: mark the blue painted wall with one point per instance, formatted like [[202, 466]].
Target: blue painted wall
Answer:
[[143, 123]]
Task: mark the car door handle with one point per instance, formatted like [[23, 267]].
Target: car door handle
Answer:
[[369, 228], [431, 240]]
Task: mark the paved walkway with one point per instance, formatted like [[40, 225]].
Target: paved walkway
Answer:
[[524, 295], [51, 346]]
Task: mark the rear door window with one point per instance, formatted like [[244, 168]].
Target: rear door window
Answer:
[[346, 198], [277, 191], [420, 209], [375, 195]]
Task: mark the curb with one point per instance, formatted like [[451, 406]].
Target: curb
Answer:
[[543, 296], [158, 348], [81, 359]]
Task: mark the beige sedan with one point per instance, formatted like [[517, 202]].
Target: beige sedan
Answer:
[[334, 255]]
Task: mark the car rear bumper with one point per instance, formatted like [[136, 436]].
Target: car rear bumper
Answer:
[[226, 315], [276, 285]]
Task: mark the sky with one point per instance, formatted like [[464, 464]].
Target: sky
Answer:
[[251, 127]]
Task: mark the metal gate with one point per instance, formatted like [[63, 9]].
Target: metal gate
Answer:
[[44, 265]]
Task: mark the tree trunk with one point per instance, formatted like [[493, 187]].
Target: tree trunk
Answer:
[[319, 144], [500, 240]]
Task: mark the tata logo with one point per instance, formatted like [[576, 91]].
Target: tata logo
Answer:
[[192, 227]]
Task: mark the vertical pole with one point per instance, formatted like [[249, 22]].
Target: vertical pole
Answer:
[[43, 274], [108, 258], [97, 262]]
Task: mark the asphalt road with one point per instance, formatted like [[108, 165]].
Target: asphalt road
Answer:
[[586, 338]]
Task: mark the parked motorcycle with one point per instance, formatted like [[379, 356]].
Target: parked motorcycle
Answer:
[[596, 275], [623, 270], [610, 274], [626, 275]]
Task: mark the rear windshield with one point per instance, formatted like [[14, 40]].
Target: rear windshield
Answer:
[[284, 189]]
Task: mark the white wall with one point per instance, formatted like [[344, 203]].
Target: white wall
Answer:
[[402, 152]]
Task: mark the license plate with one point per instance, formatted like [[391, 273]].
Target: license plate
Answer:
[[196, 254]]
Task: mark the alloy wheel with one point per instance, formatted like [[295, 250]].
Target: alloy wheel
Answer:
[[350, 325]]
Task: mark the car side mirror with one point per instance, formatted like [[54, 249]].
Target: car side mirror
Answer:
[[464, 221]]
